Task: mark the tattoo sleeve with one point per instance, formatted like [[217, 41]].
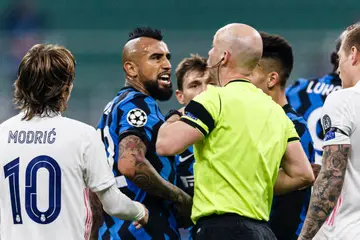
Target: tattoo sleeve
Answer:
[[97, 214], [327, 188], [133, 164]]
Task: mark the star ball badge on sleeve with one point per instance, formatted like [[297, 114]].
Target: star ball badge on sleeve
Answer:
[[137, 117]]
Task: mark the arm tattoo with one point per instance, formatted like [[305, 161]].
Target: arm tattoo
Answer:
[[327, 188], [97, 214], [133, 149]]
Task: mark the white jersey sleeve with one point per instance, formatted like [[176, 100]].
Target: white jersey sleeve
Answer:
[[98, 174], [338, 118]]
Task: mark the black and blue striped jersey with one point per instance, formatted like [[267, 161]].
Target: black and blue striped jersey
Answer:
[[134, 113]]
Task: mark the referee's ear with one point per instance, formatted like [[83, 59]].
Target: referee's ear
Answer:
[[273, 80]]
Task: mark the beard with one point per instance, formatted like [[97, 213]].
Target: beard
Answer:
[[158, 94]]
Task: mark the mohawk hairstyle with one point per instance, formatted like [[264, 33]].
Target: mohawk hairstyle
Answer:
[[145, 32]]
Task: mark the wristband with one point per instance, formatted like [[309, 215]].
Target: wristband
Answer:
[[171, 113]]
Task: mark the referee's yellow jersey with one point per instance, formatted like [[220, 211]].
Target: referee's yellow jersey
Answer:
[[237, 163]]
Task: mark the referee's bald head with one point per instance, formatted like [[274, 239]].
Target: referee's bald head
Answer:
[[240, 45]]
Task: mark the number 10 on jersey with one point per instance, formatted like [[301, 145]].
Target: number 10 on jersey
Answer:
[[11, 171]]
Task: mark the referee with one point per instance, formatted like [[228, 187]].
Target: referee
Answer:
[[240, 137]]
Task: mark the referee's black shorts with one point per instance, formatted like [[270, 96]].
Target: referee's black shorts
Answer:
[[231, 226]]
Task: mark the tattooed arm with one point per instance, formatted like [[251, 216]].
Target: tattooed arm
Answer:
[[327, 188], [133, 164]]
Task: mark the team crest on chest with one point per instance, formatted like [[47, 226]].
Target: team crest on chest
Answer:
[[137, 117]]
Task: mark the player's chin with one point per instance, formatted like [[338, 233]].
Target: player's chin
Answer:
[[164, 94]]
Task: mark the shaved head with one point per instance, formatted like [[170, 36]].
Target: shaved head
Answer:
[[136, 48], [146, 62], [240, 45]]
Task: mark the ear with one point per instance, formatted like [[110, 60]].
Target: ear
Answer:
[[225, 58], [180, 96], [355, 55], [131, 69], [273, 80]]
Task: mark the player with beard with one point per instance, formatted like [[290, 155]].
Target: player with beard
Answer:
[[129, 127]]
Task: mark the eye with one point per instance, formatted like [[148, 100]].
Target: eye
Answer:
[[156, 57]]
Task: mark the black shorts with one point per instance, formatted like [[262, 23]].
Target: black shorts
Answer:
[[231, 226]]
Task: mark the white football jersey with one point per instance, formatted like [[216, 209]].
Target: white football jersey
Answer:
[[342, 111], [47, 166]]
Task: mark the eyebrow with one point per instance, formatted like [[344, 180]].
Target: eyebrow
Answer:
[[167, 55], [194, 82]]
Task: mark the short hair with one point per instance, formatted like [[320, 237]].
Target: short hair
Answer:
[[145, 32], [352, 37], [194, 63], [43, 75], [277, 48], [334, 58]]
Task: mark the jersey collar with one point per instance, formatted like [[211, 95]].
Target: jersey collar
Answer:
[[238, 80], [287, 107]]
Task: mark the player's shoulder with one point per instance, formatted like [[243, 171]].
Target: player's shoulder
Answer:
[[341, 95], [129, 99], [299, 83], [291, 113], [11, 121], [341, 100], [77, 127]]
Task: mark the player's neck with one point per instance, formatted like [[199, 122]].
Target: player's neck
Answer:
[[137, 85], [278, 95]]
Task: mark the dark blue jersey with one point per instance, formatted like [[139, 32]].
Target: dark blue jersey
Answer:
[[289, 211], [134, 113], [185, 178], [185, 170], [307, 98]]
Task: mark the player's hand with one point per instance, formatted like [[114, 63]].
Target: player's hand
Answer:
[[316, 169], [139, 224], [184, 205], [182, 110]]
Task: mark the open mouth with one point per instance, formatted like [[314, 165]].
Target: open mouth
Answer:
[[164, 78]]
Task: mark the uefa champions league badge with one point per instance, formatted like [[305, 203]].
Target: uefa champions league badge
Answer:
[[137, 117], [326, 122]]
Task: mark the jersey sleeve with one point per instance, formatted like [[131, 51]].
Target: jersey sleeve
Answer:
[[291, 133], [97, 171], [337, 118], [203, 111], [138, 117]]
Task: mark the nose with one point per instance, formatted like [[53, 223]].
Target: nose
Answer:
[[166, 64], [203, 87]]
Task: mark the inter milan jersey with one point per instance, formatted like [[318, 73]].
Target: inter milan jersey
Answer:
[[185, 178], [307, 98], [185, 172], [291, 208], [134, 113]]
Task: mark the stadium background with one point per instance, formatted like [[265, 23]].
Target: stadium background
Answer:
[[95, 32]]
